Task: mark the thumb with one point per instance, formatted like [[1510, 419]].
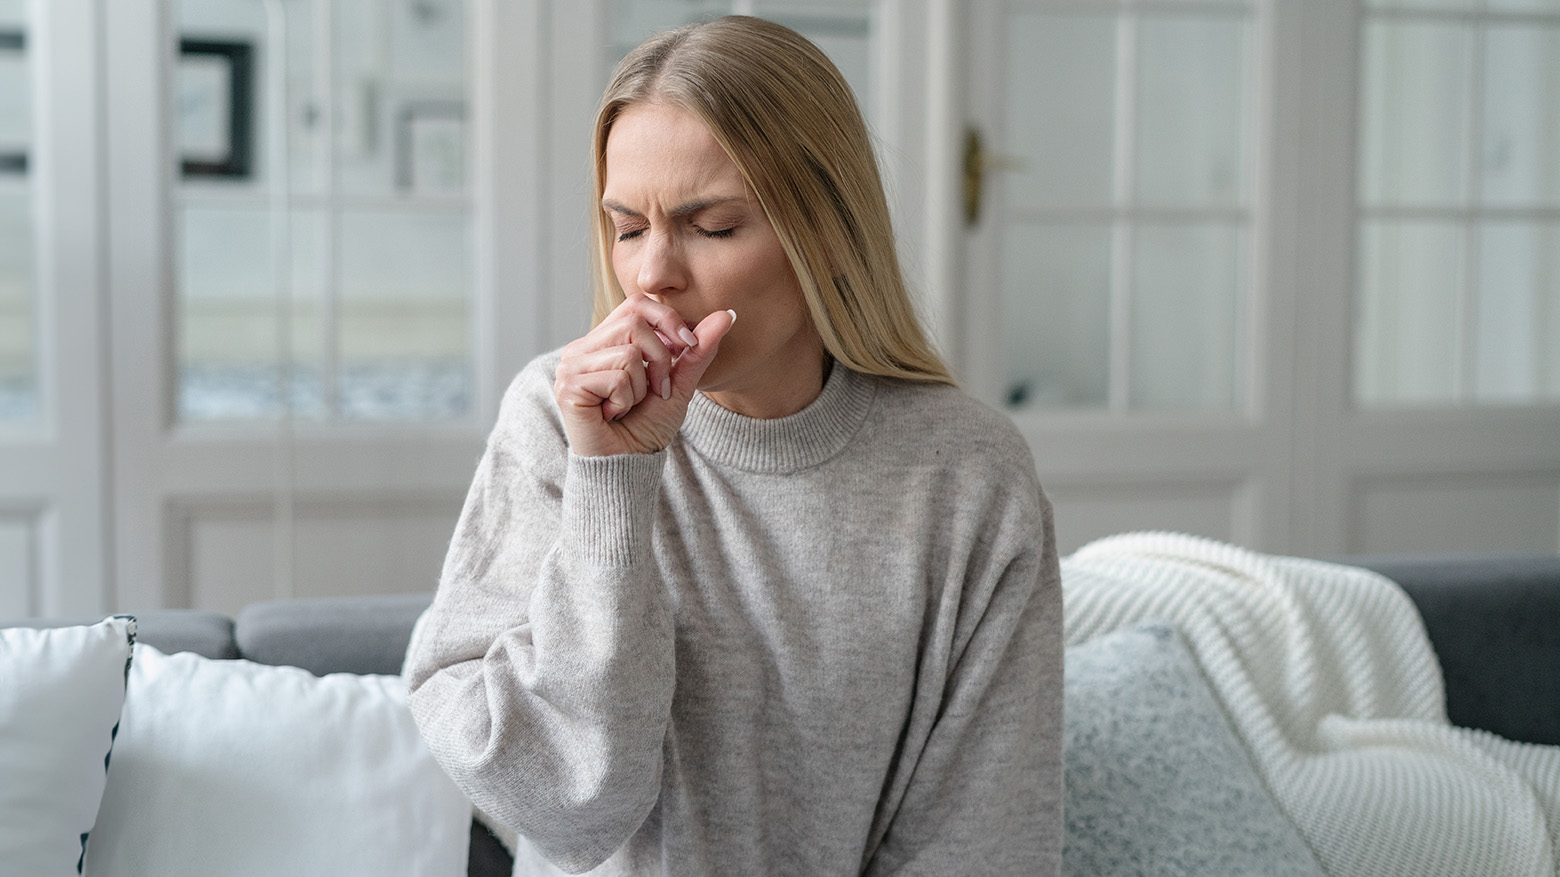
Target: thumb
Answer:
[[690, 367]]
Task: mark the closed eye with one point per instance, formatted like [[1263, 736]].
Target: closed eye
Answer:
[[718, 233], [630, 235]]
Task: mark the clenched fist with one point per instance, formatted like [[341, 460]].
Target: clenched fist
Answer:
[[624, 387]]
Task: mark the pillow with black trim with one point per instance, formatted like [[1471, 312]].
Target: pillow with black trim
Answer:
[[241, 769], [61, 692]]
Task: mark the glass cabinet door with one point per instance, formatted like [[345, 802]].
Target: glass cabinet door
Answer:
[[1458, 289], [345, 293], [19, 402]]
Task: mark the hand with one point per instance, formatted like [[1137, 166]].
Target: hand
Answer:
[[624, 388]]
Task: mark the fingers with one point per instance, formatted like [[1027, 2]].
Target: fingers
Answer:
[[658, 330], [690, 367], [614, 379]]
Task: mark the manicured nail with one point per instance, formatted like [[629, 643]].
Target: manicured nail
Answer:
[[688, 338], [733, 314], [666, 388]]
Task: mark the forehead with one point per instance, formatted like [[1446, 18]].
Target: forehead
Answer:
[[664, 153]]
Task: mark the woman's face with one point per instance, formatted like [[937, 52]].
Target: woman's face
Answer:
[[688, 232]]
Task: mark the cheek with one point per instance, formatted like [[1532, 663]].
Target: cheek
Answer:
[[625, 270]]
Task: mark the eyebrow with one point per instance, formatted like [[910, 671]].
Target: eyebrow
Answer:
[[685, 209]]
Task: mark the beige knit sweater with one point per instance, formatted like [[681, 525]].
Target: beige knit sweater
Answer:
[[824, 644]]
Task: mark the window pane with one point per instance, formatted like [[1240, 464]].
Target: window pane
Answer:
[[399, 72], [1191, 94], [1415, 113], [230, 320], [1185, 317], [1056, 315], [1525, 5], [842, 30], [1464, 5], [1061, 80], [1517, 336], [1521, 154], [1407, 314], [18, 322], [630, 21], [18, 302], [405, 323]]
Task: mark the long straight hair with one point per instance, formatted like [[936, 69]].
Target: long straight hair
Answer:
[[786, 117]]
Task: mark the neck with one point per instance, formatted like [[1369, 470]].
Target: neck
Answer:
[[782, 391]]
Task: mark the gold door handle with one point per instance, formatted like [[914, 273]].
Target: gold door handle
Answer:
[[976, 163]]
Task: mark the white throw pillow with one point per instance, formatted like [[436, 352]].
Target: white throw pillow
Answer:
[[60, 695], [237, 768]]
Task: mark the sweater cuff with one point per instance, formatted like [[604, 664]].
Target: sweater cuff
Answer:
[[609, 506]]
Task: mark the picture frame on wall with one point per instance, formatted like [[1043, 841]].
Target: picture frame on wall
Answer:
[[430, 147], [215, 126], [13, 61]]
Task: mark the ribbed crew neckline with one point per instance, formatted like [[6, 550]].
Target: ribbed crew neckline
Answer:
[[782, 444]]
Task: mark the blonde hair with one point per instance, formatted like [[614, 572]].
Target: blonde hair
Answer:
[[784, 114]]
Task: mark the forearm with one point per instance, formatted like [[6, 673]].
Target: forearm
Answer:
[[544, 688]]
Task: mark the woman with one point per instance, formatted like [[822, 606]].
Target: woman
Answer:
[[743, 584]]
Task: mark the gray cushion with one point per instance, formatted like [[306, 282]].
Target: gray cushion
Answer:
[[1157, 781], [168, 630], [331, 634]]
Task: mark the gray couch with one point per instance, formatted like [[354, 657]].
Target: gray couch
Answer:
[[1494, 622]]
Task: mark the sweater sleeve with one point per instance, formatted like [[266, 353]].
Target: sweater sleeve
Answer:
[[986, 791], [542, 675]]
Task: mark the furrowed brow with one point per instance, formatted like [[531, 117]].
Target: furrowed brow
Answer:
[[692, 207], [680, 211]]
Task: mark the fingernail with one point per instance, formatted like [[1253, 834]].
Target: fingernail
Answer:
[[688, 338], [666, 388], [733, 314]]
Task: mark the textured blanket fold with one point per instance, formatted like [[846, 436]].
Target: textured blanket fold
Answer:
[[1331, 682]]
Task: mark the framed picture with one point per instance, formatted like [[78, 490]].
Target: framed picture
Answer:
[[430, 147], [215, 111], [13, 102]]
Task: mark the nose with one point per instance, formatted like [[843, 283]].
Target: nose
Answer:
[[661, 266]]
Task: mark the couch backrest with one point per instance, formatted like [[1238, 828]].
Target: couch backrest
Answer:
[[1495, 625], [331, 634]]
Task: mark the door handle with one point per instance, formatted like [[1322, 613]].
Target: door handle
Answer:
[[976, 163]]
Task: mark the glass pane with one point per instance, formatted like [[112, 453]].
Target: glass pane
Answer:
[[1525, 5], [630, 21], [1061, 86], [405, 323], [1517, 334], [230, 320], [19, 400], [1056, 315], [842, 30], [1407, 313], [218, 92], [399, 89], [1437, 5], [1191, 102], [843, 33], [18, 322], [1414, 124], [1185, 317], [1521, 149]]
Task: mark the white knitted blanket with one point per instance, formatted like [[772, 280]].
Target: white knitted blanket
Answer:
[[1330, 681]]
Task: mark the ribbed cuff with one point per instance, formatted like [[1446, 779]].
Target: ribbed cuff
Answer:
[[609, 506]]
